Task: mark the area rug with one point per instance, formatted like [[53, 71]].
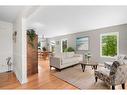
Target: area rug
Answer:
[[79, 79]]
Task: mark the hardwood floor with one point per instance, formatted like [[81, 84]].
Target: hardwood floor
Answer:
[[42, 80]]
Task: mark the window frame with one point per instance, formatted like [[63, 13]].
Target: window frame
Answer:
[[51, 44], [105, 34], [62, 44]]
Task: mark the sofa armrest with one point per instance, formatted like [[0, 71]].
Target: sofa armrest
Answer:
[[55, 62]]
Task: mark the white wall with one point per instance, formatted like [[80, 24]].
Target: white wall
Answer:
[[19, 51], [6, 44], [19, 48]]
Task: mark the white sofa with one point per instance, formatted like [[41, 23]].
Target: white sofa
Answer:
[[66, 59]]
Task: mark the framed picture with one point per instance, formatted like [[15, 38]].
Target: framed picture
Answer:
[[82, 43]]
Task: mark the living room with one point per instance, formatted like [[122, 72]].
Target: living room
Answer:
[[63, 48], [67, 47], [98, 40]]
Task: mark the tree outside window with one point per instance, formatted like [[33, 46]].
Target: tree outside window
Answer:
[[63, 45], [109, 45]]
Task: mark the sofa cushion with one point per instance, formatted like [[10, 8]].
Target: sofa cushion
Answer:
[[67, 54], [70, 60], [70, 54]]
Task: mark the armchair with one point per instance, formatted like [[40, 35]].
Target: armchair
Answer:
[[116, 75]]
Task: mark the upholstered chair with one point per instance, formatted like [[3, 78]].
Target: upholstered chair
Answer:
[[117, 75]]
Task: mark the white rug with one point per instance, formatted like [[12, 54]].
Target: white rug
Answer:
[[79, 79]]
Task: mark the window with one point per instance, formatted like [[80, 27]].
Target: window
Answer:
[[52, 46], [109, 44], [63, 45]]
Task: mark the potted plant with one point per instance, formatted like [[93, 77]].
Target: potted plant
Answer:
[[45, 54], [31, 34], [69, 49], [44, 49]]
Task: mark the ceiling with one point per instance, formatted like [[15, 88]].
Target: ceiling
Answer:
[[52, 21], [9, 13], [60, 20]]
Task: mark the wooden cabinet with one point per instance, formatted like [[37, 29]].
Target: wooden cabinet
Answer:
[[32, 56]]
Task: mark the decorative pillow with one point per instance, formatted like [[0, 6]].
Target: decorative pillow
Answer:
[[120, 58], [114, 67]]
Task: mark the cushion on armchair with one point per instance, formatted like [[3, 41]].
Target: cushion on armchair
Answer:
[[103, 74], [104, 71], [114, 67]]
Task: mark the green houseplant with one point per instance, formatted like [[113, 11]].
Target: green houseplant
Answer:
[[39, 44], [31, 34], [69, 49], [44, 49]]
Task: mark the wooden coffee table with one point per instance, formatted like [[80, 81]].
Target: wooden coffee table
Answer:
[[92, 64]]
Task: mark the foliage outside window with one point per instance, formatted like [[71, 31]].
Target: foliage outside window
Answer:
[[63, 45], [109, 45]]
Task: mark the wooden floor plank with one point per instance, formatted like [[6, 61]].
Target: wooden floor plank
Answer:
[[43, 80]]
